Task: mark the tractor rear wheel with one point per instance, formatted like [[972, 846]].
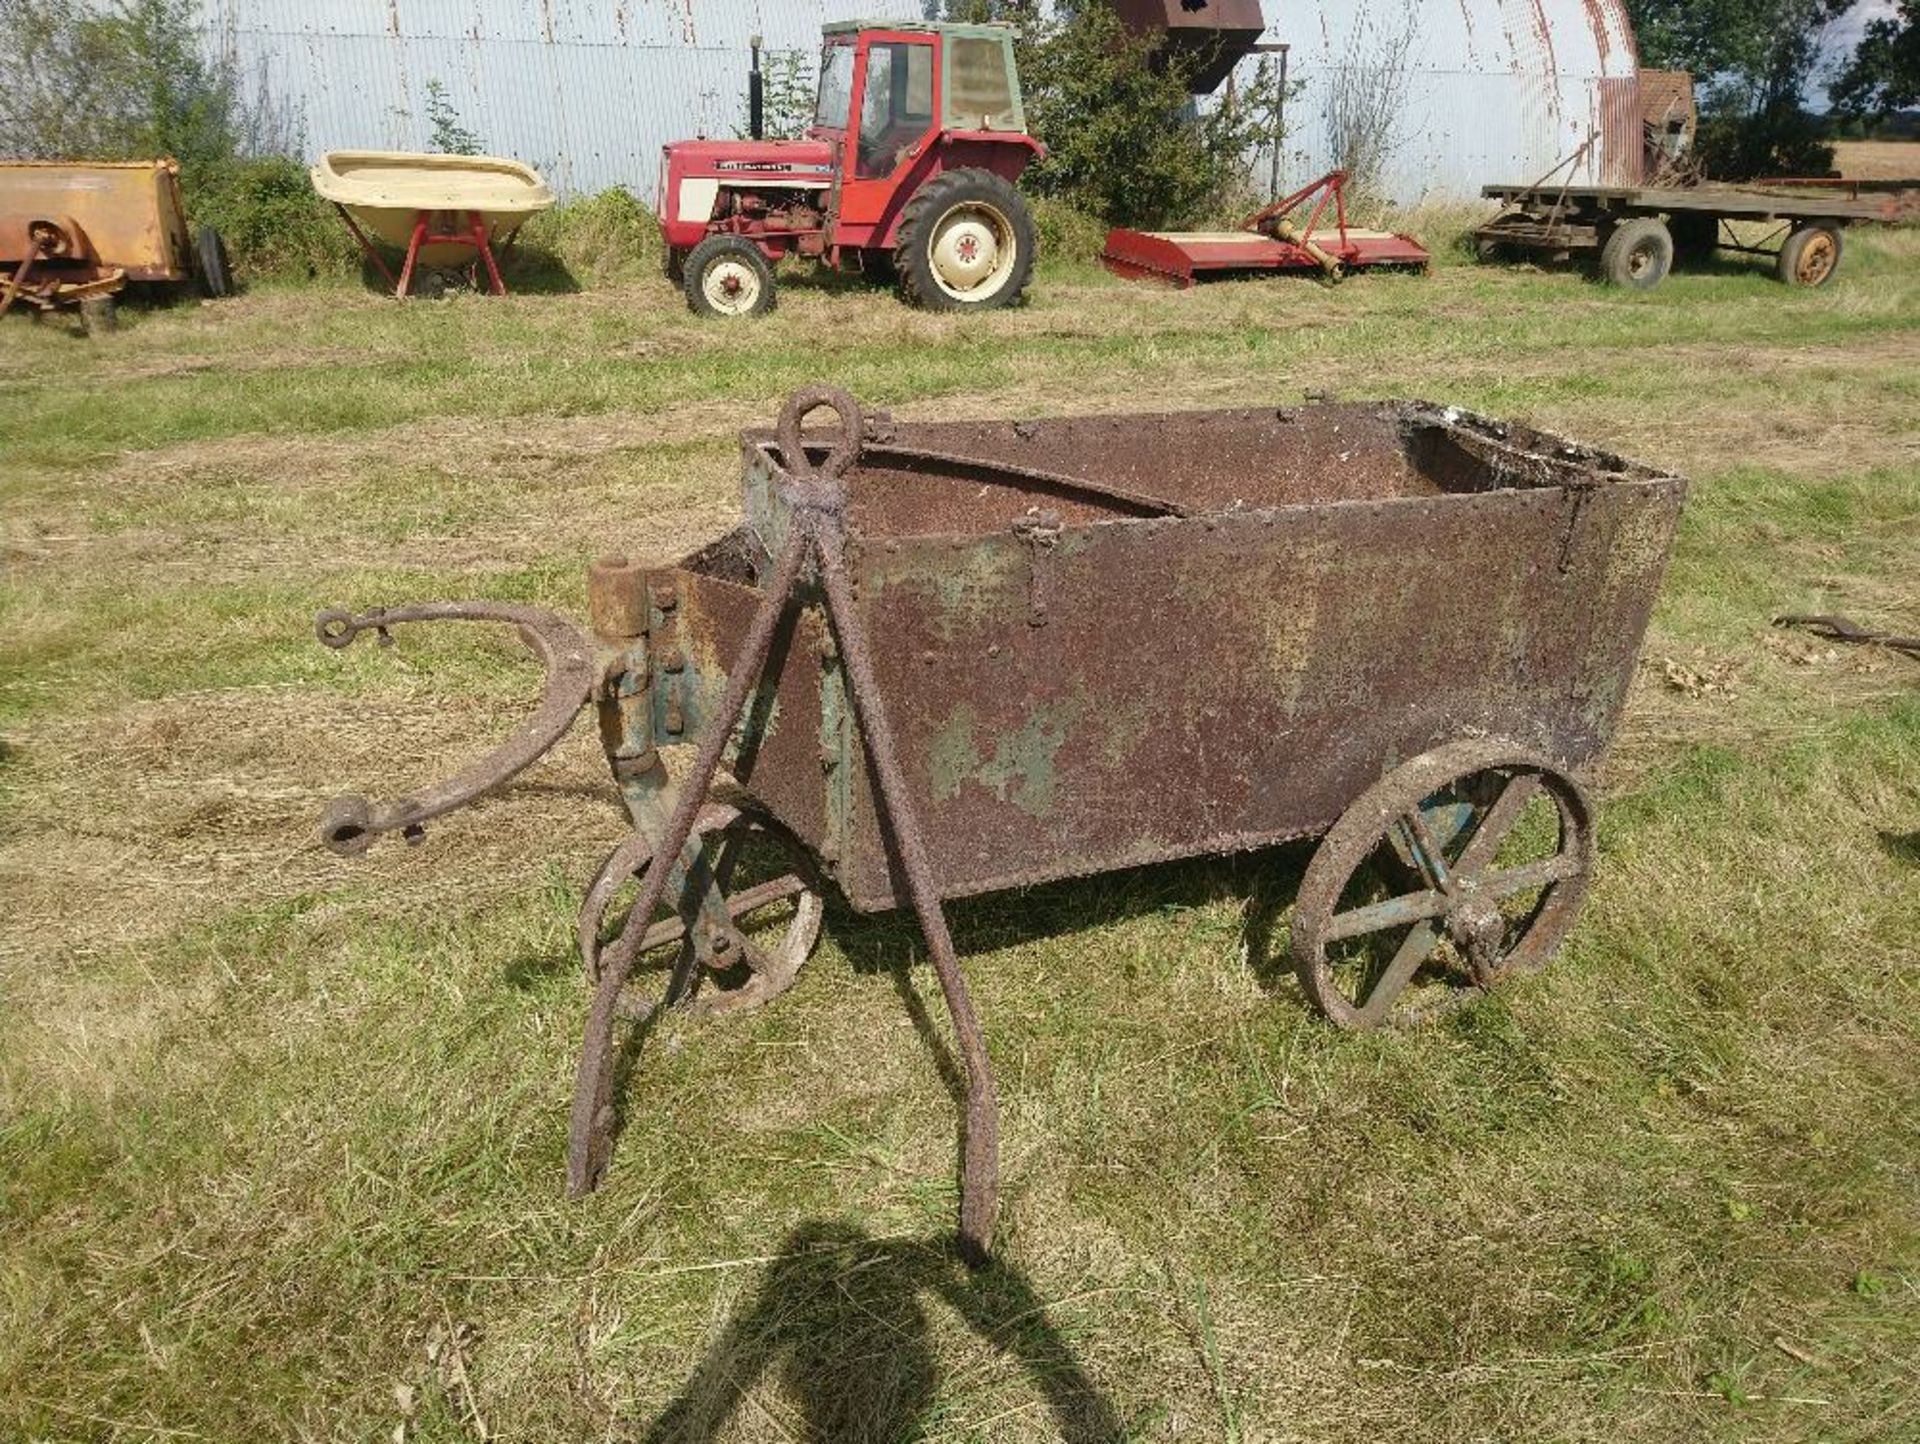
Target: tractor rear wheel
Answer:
[[728, 276], [966, 239]]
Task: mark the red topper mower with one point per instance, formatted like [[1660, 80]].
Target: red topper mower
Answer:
[[1268, 240]]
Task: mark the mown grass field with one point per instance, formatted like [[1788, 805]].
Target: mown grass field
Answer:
[[282, 1135]]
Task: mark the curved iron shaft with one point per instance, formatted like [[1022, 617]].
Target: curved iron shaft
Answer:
[[818, 534], [350, 823]]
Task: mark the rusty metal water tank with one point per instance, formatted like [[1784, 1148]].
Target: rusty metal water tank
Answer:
[[1214, 35]]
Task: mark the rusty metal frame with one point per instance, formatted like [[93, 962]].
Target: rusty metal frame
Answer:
[[816, 538]]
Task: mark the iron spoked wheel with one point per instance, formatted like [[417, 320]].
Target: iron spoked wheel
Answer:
[[1494, 848], [965, 241], [728, 276], [1638, 255], [1810, 256], [773, 907]]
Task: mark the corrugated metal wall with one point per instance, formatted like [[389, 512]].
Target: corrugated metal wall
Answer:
[[589, 90], [585, 90], [1492, 90]]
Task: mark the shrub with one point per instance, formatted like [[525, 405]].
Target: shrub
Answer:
[[596, 239], [1066, 234], [1125, 140], [272, 222]]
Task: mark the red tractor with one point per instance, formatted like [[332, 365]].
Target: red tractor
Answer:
[[909, 169]]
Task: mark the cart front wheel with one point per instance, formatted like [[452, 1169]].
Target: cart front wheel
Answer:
[[1638, 254], [1810, 256], [740, 914], [1498, 844]]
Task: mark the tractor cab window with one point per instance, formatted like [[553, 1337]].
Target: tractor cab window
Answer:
[[980, 85], [836, 88], [896, 108]]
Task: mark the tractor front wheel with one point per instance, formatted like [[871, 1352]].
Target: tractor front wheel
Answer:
[[965, 240], [728, 276]]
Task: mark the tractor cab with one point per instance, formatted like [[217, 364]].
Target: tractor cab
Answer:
[[918, 136]]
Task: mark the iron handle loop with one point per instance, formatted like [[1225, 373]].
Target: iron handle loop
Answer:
[[842, 454], [350, 823]]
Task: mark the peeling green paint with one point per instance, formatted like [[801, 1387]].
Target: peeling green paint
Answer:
[[1022, 769]]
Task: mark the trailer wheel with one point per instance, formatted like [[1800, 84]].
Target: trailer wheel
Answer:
[[1489, 246], [772, 899], [728, 276], [216, 270], [1500, 843], [1638, 254], [966, 240], [1810, 256]]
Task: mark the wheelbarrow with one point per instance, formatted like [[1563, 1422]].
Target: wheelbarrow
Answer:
[[939, 660], [443, 213]]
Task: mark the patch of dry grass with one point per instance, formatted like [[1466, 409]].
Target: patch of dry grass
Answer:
[[274, 1117]]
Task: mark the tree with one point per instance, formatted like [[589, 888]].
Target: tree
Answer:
[[1752, 60], [127, 81], [1124, 137], [1885, 73]]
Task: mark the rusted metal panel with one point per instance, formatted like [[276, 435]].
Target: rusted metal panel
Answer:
[[129, 216], [1337, 601]]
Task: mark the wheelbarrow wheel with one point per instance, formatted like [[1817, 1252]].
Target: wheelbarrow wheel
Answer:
[[1494, 851], [773, 909]]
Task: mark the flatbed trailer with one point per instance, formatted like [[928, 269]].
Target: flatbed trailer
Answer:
[[1638, 232]]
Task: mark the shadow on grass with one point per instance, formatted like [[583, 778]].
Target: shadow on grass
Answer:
[[1901, 846], [841, 1323], [1266, 880]]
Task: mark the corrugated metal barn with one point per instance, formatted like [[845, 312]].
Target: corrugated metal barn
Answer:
[[585, 90], [1466, 91], [1471, 91]]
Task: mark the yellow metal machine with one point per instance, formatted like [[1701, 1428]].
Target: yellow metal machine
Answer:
[[75, 232]]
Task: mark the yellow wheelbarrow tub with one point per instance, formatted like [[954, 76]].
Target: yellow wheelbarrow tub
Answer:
[[388, 193]]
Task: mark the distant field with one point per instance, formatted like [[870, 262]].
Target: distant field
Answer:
[[1878, 159], [282, 1134]]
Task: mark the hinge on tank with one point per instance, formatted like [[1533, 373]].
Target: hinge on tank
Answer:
[[1040, 530]]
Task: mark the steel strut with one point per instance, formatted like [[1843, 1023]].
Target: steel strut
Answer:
[[817, 501]]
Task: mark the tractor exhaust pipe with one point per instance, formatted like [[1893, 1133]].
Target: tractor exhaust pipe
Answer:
[[756, 96]]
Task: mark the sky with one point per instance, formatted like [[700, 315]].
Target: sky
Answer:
[[1843, 37]]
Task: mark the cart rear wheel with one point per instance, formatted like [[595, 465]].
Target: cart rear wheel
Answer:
[[1638, 254], [1501, 844], [1810, 256], [728, 276], [773, 907]]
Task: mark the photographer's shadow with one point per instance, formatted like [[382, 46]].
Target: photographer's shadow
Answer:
[[842, 1318]]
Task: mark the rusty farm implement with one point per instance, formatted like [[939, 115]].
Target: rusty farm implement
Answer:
[[940, 660]]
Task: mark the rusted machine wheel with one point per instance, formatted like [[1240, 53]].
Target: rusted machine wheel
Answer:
[[1501, 846], [772, 898], [1638, 254], [1810, 256]]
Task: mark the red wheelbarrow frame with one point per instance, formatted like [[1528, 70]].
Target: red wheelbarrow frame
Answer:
[[474, 235]]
